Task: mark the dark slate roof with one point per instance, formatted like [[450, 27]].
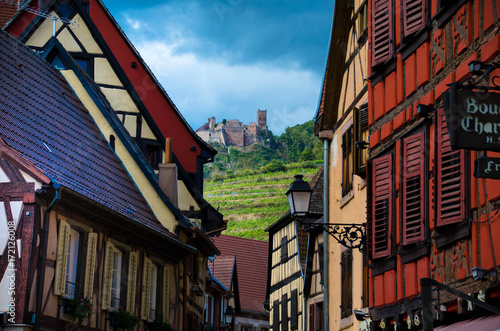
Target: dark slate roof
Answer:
[[41, 117], [251, 261]]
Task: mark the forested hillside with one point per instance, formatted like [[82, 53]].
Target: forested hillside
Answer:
[[248, 185]]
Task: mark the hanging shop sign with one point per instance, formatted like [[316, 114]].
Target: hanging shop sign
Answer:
[[487, 167], [473, 119]]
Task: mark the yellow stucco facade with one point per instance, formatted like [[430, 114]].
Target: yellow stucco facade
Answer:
[[346, 177]]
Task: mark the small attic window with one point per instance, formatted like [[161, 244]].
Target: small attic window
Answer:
[[57, 63]]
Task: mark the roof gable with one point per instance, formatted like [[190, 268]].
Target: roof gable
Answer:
[[46, 123], [123, 75], [251, 259]]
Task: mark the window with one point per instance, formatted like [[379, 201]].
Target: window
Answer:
[[362, 20], [116, 278], [361, 136], [71, 264], [316, 316], [413, 16], [284, 248], [119, 277], [413, 188], [294, 311], [346, 286], [347, 160], [68, 279], [382, 35], [381, 206], [450, 177]]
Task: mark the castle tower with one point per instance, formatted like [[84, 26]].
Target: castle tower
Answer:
[[262, 119], [211, 123]]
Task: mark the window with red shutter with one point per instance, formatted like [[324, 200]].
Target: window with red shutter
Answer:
[[413, 188], [381, 216], [413, 16], [450, 177], [382, 31]]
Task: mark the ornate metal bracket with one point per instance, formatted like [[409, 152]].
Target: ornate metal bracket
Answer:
[[348, 235], [480, 73]]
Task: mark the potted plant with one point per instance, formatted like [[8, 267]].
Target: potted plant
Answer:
[[157, 325], [78, 309], [121, 318]]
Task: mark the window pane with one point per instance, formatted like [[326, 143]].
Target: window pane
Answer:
[[74, 240]]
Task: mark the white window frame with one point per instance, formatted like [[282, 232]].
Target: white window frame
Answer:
[[116, 274], [72, 264]]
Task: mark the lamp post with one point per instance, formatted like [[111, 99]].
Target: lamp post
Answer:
[[299, 198]]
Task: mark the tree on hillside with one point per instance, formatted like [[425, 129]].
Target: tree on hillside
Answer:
[[296, 139]]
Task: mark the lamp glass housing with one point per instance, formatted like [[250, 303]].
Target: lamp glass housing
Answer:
[[229, 315], [299, 197]]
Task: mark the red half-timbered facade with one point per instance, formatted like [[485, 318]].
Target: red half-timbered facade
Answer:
[[428, 216]]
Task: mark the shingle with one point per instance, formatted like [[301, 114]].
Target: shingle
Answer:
[[41, 117], [251, 265]]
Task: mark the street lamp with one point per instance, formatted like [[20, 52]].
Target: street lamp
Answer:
[[228, 316], [299, 199]]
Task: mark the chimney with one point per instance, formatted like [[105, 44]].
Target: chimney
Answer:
[[167, 174]]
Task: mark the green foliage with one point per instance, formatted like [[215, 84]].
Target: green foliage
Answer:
[[273, 166], [252, 200], [248, 184], [123, 319], [159, 326], [79, 309], [297, 139]]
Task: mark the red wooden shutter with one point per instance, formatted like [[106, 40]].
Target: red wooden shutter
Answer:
[[382, 31], [450, 177], [413, 16], [413, 189], [381, 206]]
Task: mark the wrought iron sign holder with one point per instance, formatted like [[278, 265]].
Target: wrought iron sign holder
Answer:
[[348, 235]]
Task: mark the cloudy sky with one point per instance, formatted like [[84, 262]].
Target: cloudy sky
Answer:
[[228, 58]]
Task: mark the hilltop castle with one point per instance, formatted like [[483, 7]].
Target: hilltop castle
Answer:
[[235, 133]]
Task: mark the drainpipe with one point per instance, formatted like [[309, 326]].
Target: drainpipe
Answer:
[[44, 241], [326, 196]]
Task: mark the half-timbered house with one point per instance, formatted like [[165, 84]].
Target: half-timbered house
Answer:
[[94, 40], [126, 100], [342, 123], [294, 293], [78, 227], [430, 221], [248, 258]]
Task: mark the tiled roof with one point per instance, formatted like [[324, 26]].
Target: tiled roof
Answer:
[[316, 183], [41, 117], [222, 269], [7, 11], [251, 266]]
